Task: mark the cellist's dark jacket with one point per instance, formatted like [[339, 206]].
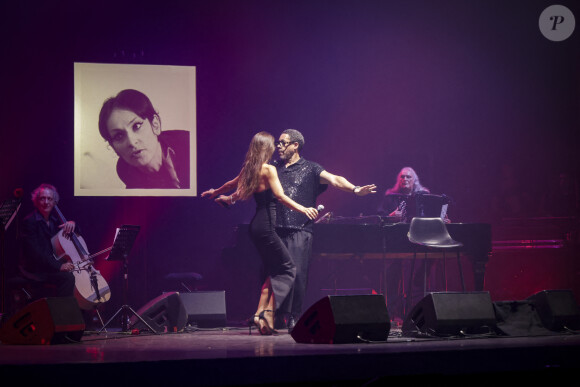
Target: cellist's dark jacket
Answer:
[[36, 247]]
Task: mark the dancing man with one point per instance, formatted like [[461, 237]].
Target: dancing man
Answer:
[[302, 180]]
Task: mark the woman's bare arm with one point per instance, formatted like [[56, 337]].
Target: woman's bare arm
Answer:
[[227, 187]]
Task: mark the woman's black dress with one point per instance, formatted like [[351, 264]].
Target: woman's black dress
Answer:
[[278, 264]]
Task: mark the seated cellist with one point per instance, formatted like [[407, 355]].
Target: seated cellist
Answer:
[[37, 260]]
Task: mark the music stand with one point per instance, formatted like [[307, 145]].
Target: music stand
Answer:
[[8, 212], [429, 206], [124, 240]]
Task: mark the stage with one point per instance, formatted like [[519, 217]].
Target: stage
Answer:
[[229, 356]]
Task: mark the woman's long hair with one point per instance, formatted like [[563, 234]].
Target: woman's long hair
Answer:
[[260, 152]]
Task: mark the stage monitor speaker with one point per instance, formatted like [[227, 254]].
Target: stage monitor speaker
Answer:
[[344, 319], [449, 314], [55, 320], [165, 313], [558, 309], [518, 318], [205, 309]]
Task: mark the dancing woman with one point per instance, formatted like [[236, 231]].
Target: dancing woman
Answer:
[[259, 179]]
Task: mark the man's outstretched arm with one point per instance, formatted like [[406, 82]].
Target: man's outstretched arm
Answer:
[[345, 185]]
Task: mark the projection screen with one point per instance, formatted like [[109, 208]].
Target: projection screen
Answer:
[[134, 130]]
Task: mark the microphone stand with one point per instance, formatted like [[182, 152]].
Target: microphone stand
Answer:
[[95, 285], [384, 258]]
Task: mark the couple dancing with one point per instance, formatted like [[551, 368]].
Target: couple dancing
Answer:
[[260, 179]]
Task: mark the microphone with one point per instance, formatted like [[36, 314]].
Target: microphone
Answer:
[[319, 208]]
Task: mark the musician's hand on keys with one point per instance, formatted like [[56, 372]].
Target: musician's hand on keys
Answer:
[[396, 213], [68, 266], [68, 228]]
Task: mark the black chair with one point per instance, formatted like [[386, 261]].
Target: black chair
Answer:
[[21, 291], [432, 234]]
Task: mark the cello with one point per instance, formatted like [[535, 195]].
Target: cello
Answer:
[[91, 289]]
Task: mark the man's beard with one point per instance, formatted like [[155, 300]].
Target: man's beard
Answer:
[[284, 156]]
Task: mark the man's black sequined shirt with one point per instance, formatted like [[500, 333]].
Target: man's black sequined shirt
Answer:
[[301, 182]]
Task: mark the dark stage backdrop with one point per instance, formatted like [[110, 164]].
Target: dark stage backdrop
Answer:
[[463, 91]]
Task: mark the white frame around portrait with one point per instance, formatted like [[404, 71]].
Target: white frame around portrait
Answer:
[[172, 91]]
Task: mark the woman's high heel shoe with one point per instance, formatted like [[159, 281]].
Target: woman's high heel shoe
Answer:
[[254, 321], [266, 329]]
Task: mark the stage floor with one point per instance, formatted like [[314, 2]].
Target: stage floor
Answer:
[[230, 356]]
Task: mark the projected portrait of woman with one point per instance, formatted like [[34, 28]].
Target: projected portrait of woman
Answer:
[[149, 157], [134, 130]]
